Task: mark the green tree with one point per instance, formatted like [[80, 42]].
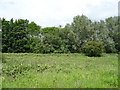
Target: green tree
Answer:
[[51, 38], [68, 39], [22, 36], [101, 33], [14, 36], [0, 35], [5, 35], [112, 26], [34, 35], [82, 28]]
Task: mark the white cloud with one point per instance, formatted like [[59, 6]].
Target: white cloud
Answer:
[[57, 12]]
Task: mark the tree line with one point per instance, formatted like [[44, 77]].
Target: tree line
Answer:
[[23, 36]]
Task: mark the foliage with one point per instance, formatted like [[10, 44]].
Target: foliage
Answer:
[[81, 26], [19, 36], [93, 48], [14, 36]]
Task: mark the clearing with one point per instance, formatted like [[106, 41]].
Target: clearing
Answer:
[[28, 70]]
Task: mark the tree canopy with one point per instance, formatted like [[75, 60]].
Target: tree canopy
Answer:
[[19, 36]]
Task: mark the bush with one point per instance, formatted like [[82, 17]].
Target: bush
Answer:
[[93, 48]]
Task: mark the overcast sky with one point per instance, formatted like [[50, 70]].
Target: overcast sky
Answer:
[[57, 12]]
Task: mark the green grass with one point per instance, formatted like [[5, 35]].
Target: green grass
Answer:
[[25, 70]]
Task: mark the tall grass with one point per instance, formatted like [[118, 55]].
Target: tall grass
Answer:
[[25, 70]]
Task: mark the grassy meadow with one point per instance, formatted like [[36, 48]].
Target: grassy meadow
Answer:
[[28, 70]]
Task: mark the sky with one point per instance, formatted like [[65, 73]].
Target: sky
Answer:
[[48, 13]]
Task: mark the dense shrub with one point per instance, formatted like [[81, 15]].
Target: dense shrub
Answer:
[[93, 48]]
